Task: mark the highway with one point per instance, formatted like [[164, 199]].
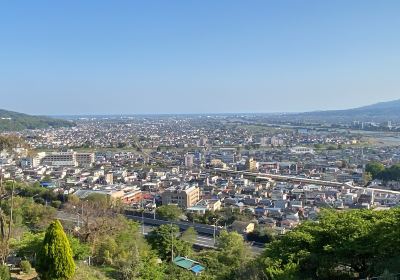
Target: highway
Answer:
[[203, 240], [294, 179]]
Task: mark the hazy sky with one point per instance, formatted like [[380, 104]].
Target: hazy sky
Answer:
[[84, 57]]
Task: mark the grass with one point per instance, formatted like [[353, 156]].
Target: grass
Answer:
[[85, 272]]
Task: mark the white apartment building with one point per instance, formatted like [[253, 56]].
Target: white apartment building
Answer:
[[71, 159]]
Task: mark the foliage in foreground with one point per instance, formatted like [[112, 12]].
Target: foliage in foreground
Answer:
[[342, 245], [55, 256]]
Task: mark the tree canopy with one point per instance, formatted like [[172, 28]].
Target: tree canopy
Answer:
[[165, 238], [374, 168], [379, 171], [169, 212], [341, 245]]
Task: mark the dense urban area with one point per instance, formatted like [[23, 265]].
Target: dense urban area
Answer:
[[201, 197]]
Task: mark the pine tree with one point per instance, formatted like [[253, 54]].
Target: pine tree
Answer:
[[55, 260]]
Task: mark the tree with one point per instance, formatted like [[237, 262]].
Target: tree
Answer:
[[189, 235], [341, 245], [165, 241], [55, 260], [232, 248], [374, 168], [28, 246], [390, 174], [80, 251], [169, 212]]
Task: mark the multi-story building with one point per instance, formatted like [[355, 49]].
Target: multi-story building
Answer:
[[183, 196], [251, 164], [29, 162], [60, 159], [85, 159], [68, 159], [189, 158]]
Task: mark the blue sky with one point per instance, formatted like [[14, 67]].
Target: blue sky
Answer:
[[111, 57]]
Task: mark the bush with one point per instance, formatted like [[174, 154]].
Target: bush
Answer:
[[56, 204], [25, 266], [4, 272]]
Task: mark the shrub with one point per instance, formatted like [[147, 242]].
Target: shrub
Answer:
[[4, 272], [56, 204], [25, 266]]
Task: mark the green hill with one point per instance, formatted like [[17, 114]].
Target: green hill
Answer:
[[13, 121]]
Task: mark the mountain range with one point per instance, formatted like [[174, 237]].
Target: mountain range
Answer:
[[379, 112]]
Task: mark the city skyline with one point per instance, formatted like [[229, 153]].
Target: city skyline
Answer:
[[178, 57]]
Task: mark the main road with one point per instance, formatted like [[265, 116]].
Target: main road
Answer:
[[204, 238]]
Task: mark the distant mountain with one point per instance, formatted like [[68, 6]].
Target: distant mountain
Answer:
[[395, 104], [13, 121], [379, 112]]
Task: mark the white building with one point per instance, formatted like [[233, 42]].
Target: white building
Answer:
[[301, 150], [71, 158]]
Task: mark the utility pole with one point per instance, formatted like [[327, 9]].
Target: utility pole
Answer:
[[215, 229], [172, 245], [142, 218], [11, 210]]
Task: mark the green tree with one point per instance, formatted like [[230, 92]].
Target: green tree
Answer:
[[55, 260], [28, 245], [233, 250], [169, 212], [80, 251], [341, 245], [391, 173], [164, 240], [189, 235], [374, 168]]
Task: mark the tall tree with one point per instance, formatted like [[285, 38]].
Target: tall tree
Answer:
[[55, 260], [189, 235], [165, 241], [169, 212]]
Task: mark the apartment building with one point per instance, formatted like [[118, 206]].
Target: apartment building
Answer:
[[85, 159], [71, 158], [183, 196], [60, 159]]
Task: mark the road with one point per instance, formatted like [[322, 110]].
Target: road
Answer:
[[202, 240]]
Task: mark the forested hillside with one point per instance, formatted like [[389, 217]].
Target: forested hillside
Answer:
[[13, 121]]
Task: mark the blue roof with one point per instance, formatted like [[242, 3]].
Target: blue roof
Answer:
[[46, 184], [197, 268]]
